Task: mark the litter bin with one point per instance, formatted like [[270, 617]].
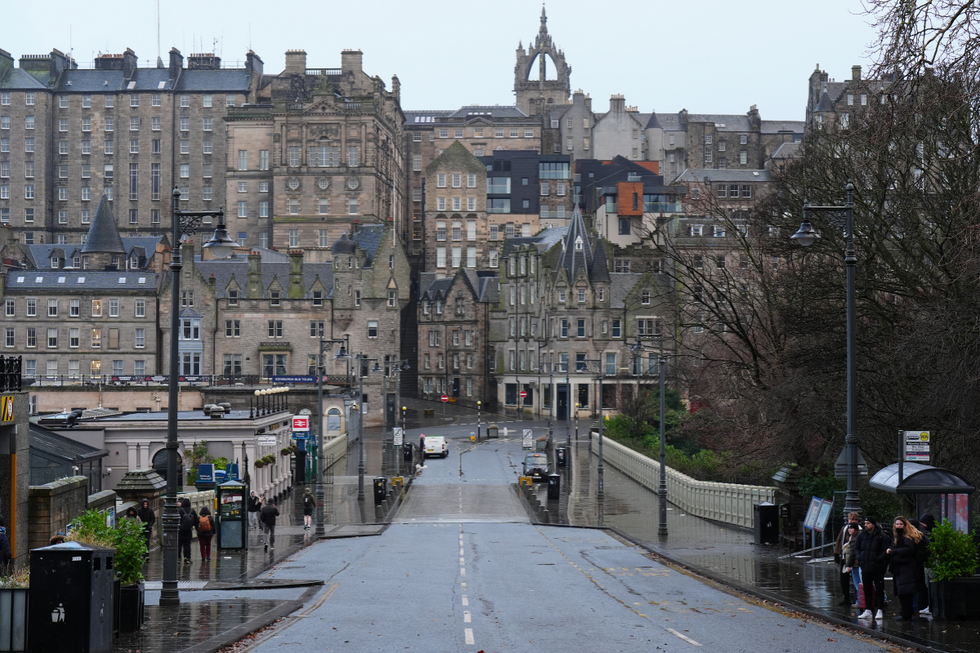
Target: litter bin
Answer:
[[407, 451], [492, 431], [766, 523], [554, 486], [561, 456], [71, 598], [380, 489]]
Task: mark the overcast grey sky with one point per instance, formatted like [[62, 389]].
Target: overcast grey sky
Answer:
[[711, 56]]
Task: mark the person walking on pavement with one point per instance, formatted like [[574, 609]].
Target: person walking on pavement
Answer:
[[845, 578], [872, 557], [268, 516], [146, 515], [850, 559], [308, 505], [254, 506], [205, 531], [905, 568], [188, 520]]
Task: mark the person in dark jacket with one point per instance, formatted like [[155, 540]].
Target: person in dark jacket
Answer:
[[254, 506], [146, 515], [188, 521], [268, 516], [845, 577], [926, 523], [309, 503], [205, 531], [906, 570], [872, 557]]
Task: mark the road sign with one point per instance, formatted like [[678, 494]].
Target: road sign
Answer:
[[917, 446], [445, 398], [523, 393], [528, 439], [301, 423], [398, 436]]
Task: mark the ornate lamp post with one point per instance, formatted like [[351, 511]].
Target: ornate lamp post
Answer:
[[806, 236], [662, 489], [221, 246], [325, 345]]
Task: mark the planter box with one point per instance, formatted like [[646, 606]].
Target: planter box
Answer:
[[131, 606], [955, 599], [13, 619]]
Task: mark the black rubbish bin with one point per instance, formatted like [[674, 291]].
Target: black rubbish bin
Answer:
[[380, 489], [766, 523], [407, 451], [561, 456], [71, 604], [554, 486]]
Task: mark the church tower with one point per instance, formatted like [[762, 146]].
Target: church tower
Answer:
[[535, 96]]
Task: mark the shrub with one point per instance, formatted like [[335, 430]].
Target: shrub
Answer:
[[127, 539], [953, 554]]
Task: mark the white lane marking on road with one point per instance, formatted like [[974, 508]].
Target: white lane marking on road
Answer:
[[462, 561], [463, 585], [462, 572], [461, 552], [684, 637], [466, 617], [466, 600], [469, 636]]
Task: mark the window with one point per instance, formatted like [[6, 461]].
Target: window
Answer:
[[719, 231], [52, 308], [416, 162], [32, 337], [73, 338], [392, 298], [353, 156], [746, 191], [96, 338], [580, 330], [275, 328], [242, 209], [140, 338], [134, 124], [233, 328], [53, 338], [563, 328], [114, 308], [352, 206]]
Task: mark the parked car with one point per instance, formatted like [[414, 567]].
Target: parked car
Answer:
[[536, 466], [436, 446]]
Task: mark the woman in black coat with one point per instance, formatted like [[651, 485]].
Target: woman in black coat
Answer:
[[905, 567]]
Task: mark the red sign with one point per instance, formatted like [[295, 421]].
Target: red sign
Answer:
[[445, 398], [523, 393], [301, 423]]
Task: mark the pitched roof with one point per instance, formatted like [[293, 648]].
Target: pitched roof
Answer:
[[576, 251], [103, 234], [369, 238], [227, 79], [224, 270], [61, 280], [40, 255], [697, 175], [18, 79]]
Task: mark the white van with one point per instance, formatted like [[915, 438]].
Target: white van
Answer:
[[436, 446]]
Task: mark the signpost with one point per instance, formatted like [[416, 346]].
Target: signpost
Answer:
[[528, 440], [917, 447], [445, 398], [265, 441], [301, 427], [398, 436]]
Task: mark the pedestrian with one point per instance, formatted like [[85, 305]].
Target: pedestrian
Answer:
[[205, 531], [58, 538], [254, 506], [909, 580], [926, 523], [845, 578], [185, 531], [308, 505], [850, 559], [872, 557], [146, 515], [131, 513], [5, 556], [268, 516]]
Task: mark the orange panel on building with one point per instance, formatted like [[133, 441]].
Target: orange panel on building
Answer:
[[630, 198]]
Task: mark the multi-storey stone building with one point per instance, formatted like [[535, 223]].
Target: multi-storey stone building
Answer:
[[84, 313]]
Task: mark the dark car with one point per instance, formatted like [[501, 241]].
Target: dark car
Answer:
[[535, 466]]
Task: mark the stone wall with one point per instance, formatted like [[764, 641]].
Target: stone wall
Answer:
[[52, 506]]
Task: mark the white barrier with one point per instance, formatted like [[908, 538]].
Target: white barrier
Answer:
[[729, 503]]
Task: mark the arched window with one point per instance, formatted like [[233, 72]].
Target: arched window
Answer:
[[333, 419]]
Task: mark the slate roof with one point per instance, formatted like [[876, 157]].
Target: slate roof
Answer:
[[787, 151], [573, 258], [58, 446], [90, 280], [17, 79], [150, 79], [653, 122], [621, 284], [40, 255], [213, 80], [437, 289], [722, 122], [489, 287], [671, 122], [343, 245], [369, 238], [413, 118], [825, 103], [223, 270], [90, 80], [488, 111], [103, 234], [782, 126], [696, 175]]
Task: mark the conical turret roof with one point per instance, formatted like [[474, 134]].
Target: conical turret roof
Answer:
[[103, 235]]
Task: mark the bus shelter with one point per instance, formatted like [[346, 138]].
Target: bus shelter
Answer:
[[940, 492]]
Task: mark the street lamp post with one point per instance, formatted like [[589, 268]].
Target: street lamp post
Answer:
[[361, 358], [184, 224], [806, 236], [637, 350], [479, 419], [601, 469], [322, 371]]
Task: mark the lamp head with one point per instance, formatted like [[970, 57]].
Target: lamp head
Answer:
[[220, 245], [806, 235], [376, 368]]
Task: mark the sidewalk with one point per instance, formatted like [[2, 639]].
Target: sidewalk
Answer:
[[729, 555], [223, 600]]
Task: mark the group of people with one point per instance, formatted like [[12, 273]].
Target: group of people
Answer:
[[191, 521], [262, 514], [864, 552]]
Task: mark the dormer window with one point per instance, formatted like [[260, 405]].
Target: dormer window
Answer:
[[578, 244], [274, 297], [54, 262], [233, 297], [134, 262]]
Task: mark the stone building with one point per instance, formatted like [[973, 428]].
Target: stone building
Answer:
[[119, 130], [84, 313]]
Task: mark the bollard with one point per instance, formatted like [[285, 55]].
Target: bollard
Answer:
[[554, 486]]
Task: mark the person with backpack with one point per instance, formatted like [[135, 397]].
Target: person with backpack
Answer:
[[905, 567], [309, 503], [5, 556], [268, 516], [872, 557], [188, 520], [205, 531]]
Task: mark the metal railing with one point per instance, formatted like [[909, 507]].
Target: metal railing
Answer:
[[162, 379], [730, 503]]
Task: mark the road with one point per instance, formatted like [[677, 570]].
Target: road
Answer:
[[463, 569]]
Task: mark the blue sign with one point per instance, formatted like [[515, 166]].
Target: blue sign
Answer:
[[301, 435], [233, 471], [205, 473], [294, 379]]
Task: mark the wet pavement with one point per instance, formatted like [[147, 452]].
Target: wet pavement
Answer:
[[729, 555]]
